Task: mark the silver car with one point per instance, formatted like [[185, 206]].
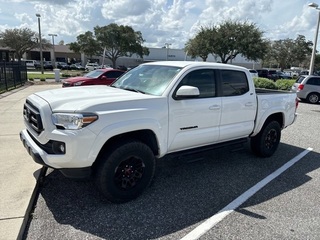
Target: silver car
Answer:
[[307, 88]]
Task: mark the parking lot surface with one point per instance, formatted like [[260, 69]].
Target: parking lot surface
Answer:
[[188, 190]]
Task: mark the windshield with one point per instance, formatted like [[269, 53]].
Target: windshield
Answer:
[[150, 79], [94, 74]]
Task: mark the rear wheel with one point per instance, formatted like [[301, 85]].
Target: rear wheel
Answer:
[[266, 142], [313, 98], [125, 172]]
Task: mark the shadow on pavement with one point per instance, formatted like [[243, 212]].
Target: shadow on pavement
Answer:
[[185, 192]]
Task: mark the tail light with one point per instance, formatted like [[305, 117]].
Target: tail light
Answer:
[[300, 87], [297, 103]]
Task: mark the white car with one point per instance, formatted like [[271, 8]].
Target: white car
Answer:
[[91, 66], [307, 88]]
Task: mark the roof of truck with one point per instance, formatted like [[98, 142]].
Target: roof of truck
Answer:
[[191, 63]]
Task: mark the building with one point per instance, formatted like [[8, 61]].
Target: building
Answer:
[[62, 53]]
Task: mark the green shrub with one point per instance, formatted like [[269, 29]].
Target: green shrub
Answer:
[[42, 79], [31, 79], [66, 75], [264, 83], [285, 84]]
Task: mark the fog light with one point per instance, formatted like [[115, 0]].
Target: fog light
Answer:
[[59, 147]]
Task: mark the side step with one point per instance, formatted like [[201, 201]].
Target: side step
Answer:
[[237, 145]]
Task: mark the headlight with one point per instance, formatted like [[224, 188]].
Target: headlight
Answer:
[[73, 121]]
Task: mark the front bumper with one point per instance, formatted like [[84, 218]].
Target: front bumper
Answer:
[[40, 156]]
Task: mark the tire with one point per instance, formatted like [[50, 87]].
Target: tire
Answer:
[[125, 172], [313, 98], [267, 141]]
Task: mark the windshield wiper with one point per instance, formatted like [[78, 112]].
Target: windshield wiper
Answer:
[[133, 90]]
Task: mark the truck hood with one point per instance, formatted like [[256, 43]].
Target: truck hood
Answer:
[[89, 98]]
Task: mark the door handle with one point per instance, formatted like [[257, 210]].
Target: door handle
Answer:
[[215, 107], [249, 104]]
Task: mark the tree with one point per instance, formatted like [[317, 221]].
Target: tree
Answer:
[[302, 49], [22, 40], [286, 53], [199, 46], [115, 41], [232, 38], [87, 44], [120, 41], [317, 63]]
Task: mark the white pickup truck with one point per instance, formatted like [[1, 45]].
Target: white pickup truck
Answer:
[[116, 133]]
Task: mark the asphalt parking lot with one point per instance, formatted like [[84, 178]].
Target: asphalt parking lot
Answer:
[[188, 191]]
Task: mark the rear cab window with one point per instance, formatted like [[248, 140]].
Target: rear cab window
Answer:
[[234, 83]]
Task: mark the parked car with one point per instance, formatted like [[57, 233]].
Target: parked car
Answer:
[[307, 88], [254, 73], [263, 73], [123, 68], [30, 64], [63, 66], [91, 66], [37, 64], [305, 72], [77, 66], [271, 74], [103, 66], [47, 65], [95, 77], [279, 75], [117, 134]]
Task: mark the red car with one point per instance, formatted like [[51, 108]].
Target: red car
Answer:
[[96, 77]]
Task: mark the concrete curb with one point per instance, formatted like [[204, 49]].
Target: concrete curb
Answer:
[[32, 202]]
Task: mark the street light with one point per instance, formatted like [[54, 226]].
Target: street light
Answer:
[[313, 55], [167, 47], [40, 41], [53, 53]]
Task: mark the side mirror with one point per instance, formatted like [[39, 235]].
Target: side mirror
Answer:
[[187, 92], [103, 78]]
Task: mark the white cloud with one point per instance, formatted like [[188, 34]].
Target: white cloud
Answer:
[[160, 21]]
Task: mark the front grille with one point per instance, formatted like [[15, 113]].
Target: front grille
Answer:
[[66, 84], [32, 117]]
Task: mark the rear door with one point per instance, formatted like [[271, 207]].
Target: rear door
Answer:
[[239, 105], [313, 85]]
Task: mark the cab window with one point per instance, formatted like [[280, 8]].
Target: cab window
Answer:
[[234, 83], [203, 79]]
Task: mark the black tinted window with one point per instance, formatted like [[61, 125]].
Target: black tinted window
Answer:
[[300, 79], [234, 83], [113, 74], [313, 81], [202, 79]]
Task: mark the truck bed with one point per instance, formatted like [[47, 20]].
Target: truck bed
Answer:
[[260, 91]]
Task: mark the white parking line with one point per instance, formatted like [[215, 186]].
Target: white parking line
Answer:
[[212, 221]]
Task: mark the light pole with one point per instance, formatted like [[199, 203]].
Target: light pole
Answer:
[[40, 41], [167, 47], [313, 55], [53, 53]]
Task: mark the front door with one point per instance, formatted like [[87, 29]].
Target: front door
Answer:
[[194, 122]]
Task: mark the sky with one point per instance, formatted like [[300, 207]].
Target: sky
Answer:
[[159, 21]]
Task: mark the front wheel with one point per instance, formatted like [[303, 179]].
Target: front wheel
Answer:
[[125, 172], [266, 142]]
